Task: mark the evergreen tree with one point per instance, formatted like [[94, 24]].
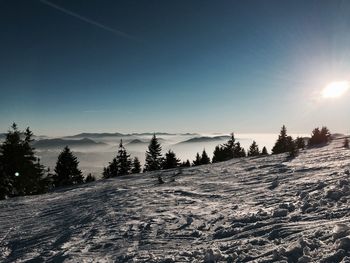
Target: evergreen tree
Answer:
[[300, 143], [204, 158], [293, 150], [253, 149], [218, 155], [264, 151], [238, 151], [228, 149], [320, 136], [90, 178], [123, 160], [284, 142], [111, 170], [346, 143], [153, 155], [197, 161], [186, 163], [170, 160], [21, 172], [136, 166], [66, 170]]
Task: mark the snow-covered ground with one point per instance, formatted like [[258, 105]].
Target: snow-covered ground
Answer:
[[261, 209]]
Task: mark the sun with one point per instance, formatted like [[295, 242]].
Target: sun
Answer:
[[335, 89]]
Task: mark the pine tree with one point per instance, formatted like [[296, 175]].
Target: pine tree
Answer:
[[197, 161], [300, 142], [21, 172], [283, 143], [264, 151], [111, 170], [123, 160], [217, 155], [238, 151], [66, 170], [228, 148], [204, 158], [153, 155], [319, 136], [170, 160], [253, 149], [136, 166], [90, 178], [346, 143], [186, 163]]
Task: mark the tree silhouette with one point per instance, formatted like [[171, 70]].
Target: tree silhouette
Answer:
[[238, 151], [227, 151], [319, 136], [21, 172], [136, 166], [197, 161], [153, 155], [66, 170], [300, 143], [123, 160], [346, 143], [204, 158], [186, 163], [111, 170], [253, 149], [90, 178], [170, 160], [264, 151], [284, 142]]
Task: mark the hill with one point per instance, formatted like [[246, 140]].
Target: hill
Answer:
[[60, 143], [257, 209], [206, 139]]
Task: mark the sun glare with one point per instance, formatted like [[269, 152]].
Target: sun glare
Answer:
[[335, 89]]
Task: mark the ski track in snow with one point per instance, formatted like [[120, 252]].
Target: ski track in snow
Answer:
[[257, 209]]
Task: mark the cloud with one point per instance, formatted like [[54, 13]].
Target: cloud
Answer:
[[89, 21]]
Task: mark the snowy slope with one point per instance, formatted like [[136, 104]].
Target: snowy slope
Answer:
[[261, 209]]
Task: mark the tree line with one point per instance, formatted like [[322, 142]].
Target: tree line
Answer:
[[21, 172]]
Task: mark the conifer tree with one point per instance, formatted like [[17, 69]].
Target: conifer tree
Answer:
[[123, 160], [204, 158], [253, 149], [217, 155], [170, 160], [238, 151], [153, 155], [300, 143], [136, 166], [264, 151], [186, 163], [21, 172], [283, 143], [111, 170], [197, 160], [66, 170], [346, 143], [319, 136], [90, 178]]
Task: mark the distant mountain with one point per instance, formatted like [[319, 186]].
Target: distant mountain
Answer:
[[151, 133], [60, 143], [96, 135], [116, 134], [136, 142], [206, 139]]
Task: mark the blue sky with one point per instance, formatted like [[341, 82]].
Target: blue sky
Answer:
[[177, 66]]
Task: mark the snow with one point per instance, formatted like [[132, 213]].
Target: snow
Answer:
[[258, 209]]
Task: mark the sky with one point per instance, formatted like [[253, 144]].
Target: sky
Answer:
[[174, 66]]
